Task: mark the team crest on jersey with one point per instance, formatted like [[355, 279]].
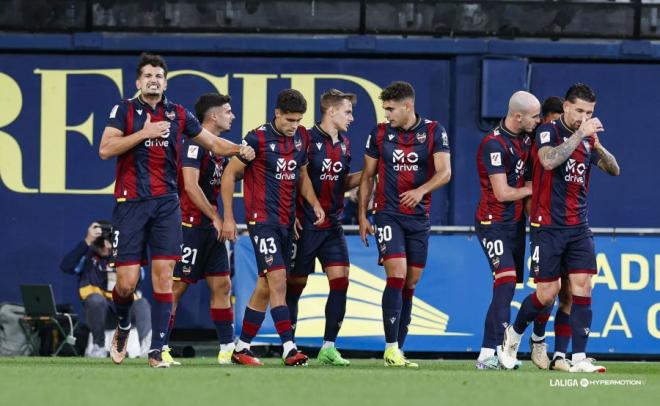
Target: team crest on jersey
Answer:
[[272, 147], [170, 115], [421, 137], [269, 260], [390, 136], [496, 261], [382, 248], [298, 144], [343, 148], [187, 269], [319, 145]]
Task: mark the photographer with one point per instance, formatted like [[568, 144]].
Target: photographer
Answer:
[[91, 261]]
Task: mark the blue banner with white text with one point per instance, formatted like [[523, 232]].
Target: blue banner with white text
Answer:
[[453, 296]]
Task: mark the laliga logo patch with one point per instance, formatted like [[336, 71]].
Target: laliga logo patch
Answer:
[[269, 260], [421, 137], [445, 139], [170, 115], [496, 159], [545, 137], [298, 144]]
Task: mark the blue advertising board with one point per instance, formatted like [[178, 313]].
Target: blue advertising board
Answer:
[[453, 296]]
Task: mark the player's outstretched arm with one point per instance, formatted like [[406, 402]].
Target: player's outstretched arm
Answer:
[[552, 157], [442, 175], [223, 147], [505, 193], [231, 174], [196, 195], [352, 181], [364, 195], [607, 161], [113, 142], [307, 192]]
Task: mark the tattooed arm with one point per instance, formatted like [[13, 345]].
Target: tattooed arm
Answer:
[[553, 157], [607, 161]]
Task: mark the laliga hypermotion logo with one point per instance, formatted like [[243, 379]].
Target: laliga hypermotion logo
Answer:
[[331, 170], [285, 169], [405, 162], [575, 171]]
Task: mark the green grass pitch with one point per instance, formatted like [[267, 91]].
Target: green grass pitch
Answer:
[[200, 382]]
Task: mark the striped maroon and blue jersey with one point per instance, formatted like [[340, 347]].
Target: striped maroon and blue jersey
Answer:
[[559, 196], [149, 169], [270, 179], [210, 168], [501, 151], [329, 165], [405, 162]]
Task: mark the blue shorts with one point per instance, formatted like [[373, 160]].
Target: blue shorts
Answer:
[[402, 236], [504, 247], [203, 255], [272, 247], [329, 246], [557, 251], [153, 223]]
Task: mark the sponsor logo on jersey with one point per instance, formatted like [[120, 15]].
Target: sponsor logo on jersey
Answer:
[[404, 162], [285, 169], [272, 147], [575, 171], [157, 142], [330, 170], [390, 136], [496, 159], [319, 145], [139, 112]]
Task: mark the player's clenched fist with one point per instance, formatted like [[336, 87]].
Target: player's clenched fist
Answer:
[[157, 129], [246, 152], [591, 127]]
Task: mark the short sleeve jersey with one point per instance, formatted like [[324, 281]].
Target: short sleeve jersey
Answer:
[[405, 162], [329, 165], [149, 169], [502, 151], [210, 168], [270, 179], [559, 196]]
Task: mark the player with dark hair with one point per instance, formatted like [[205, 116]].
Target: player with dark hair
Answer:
[[204, 255], [410, 155], [270, 184], [504, 168], [552, 109], [145, 133], [561, 241], [329, 155]]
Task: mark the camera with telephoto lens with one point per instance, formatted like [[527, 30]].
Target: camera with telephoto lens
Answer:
[[106, 234]]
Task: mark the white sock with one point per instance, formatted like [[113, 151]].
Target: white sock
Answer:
[[517, 337], [499, 349], [288, 346], [328, 344], [537, 339], [559, 355], [486, 353], [578, 356], [227, 347], [242, 345], [391, 345]]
